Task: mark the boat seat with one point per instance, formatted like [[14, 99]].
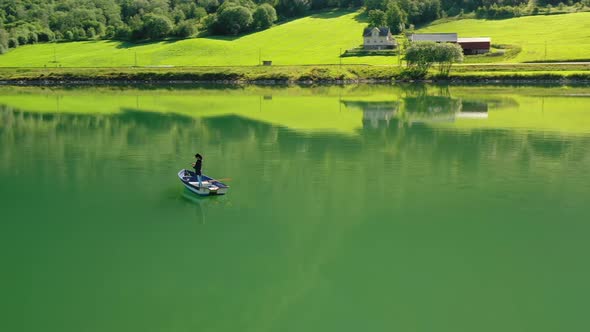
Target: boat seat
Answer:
[[196, 183]]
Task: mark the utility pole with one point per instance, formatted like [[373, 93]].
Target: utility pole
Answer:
[[545, 50], [136, 59], [340, 56], [259, 56]]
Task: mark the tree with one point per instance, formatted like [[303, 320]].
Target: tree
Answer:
[[377, 18], [210, 23], [156, 26], [376, 4], [233, 20], [91, 33], [4, 38], [396, 18], [293, 8], [264, 16], [46, 36], [209, 5], [186, 29], [22, 40], [420, 56], [445, 55]]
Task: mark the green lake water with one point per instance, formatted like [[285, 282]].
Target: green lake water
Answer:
[[358, 208]]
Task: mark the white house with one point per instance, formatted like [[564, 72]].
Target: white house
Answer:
[[378, 39]]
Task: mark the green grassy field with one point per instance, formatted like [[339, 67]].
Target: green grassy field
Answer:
[[552, 38], [316, 39]]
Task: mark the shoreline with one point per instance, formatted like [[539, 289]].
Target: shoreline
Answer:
[[292, 75], [452, 81]]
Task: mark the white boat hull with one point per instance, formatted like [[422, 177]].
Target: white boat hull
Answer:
[[209, 186]]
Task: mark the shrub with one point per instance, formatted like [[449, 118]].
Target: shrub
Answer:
[[210, 22], [109, 33], [13, 43], [264, 16], [199, 13], [421, 56], [32, 38], [46, 36], [4, 38], [377, 18], [233, 20], [69, 35], [396, 18], [91, 33], [445, 55], [185, 29], [22, 40], [3, 49], [156, 26], [376, 4], [293, 8], [122, 32], [209, 5]]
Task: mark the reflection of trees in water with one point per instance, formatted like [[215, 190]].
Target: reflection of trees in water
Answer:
[[132, 130], [309, 240], [419, 103]]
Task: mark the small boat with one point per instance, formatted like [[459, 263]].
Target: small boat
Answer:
[[210, 186]]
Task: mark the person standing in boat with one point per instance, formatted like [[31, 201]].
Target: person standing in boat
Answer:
[[197, 166]]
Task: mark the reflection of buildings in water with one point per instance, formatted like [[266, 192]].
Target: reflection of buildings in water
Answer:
[[421, 109], [472, 109], [375, 112], [443, 109]]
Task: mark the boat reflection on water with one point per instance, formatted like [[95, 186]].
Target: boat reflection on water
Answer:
[[202, 204]]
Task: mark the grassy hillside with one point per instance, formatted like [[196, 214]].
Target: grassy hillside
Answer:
[[316, 39], [555, 37]]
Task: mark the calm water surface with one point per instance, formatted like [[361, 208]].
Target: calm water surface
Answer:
[[369, 208]]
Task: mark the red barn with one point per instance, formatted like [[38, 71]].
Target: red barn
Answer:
[[472, 46]]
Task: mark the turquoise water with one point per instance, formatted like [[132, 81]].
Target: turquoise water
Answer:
[[350, 209]]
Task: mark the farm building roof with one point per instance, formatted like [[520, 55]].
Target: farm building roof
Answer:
[[383, 31], [434, 37], [475, 40]]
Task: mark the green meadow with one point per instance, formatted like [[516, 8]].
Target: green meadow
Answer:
[[313, 40], [542, 38], [316, 39]]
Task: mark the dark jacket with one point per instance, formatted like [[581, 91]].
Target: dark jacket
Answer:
[[198, 166]]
